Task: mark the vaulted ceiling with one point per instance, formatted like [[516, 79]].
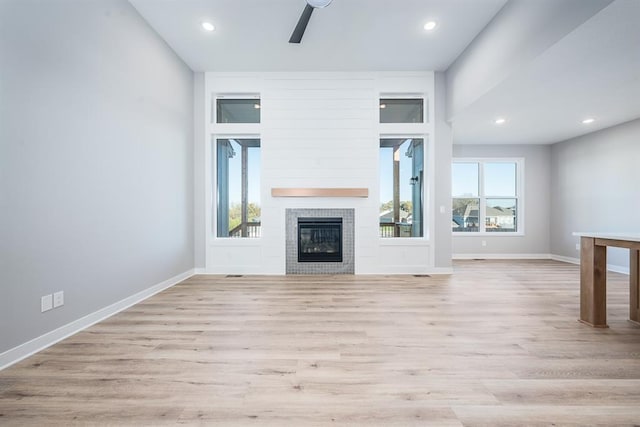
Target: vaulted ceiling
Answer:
[[543, 65]]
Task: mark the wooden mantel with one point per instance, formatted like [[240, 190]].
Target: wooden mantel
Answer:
[[320, 192]]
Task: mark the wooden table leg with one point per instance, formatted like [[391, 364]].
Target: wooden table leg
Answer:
[[634, 286], [593, 283]]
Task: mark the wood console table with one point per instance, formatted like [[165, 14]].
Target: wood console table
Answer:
[[593, 275]]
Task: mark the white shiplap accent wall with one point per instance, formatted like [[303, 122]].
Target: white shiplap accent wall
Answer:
[[318, 130]]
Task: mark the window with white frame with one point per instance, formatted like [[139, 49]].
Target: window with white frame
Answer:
[[402, 110], [401, 187], [487, 195], [235, 165], [402, 164], [238, 187], [237, 109]]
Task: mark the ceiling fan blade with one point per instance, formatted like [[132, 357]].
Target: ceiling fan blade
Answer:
[[298, 32]]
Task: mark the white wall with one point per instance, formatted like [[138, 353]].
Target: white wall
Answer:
[[321, 130], [596, 180], [537, 214], [96, 161]]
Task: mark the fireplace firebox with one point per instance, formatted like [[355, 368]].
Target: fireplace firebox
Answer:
[[319, 239]]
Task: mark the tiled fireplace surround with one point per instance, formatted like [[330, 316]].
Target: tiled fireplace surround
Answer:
[[345, 267]]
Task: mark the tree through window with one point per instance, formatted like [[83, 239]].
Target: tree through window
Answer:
[[238, 187]]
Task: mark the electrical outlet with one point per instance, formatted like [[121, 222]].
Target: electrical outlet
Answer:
[[442, 209], [58, 299], [484, 243], [46, 303], [577, 246]]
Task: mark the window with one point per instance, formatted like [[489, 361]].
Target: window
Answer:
[[487, 196], [401, 187], [238, 187], [230, 110], [407, 110]]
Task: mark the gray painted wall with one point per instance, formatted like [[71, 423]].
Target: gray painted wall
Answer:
[[96, 160], [536, 200], [442, 152], [596, 187], [200, 139]]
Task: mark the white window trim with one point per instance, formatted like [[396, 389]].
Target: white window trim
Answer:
[[213, 236], [409, 95], [398, 241], [214, 107], [520, 196], [216, 131]]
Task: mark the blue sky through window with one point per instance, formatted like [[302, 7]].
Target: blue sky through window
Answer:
[[235, 175], [499, 179], [464, 182]]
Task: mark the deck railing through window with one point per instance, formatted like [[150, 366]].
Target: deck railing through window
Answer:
[[390, 229], [249, 229]]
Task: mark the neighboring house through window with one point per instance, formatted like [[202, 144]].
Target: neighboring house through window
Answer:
[[487, 195], [401, 187]]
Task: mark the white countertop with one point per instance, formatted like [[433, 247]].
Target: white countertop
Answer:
[[632, 237]]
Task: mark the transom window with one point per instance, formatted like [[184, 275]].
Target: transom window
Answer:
[[401, 110], [238, 110], [487, 196]]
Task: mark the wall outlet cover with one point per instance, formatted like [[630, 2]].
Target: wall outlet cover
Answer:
[[58, 299], [46, 303]]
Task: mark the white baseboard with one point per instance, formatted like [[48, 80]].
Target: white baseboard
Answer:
[[25, 350], [610, 267], [501, 256], [562, 258], [441, 270]]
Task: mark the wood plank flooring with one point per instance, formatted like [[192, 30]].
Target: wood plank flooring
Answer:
[[498, 343]]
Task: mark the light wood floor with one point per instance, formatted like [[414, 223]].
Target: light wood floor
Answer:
[[498, 343]]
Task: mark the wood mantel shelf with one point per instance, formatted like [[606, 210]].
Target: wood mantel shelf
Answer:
[[320, 192]]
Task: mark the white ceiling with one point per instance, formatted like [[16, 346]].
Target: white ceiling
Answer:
[[348, 35], [594, 71]]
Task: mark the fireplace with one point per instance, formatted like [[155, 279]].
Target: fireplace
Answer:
[[319, 239], [340, 220]]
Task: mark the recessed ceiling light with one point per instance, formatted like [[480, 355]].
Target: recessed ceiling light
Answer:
[[500, 121], [208, 26], [589, 120], [430, 25]]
